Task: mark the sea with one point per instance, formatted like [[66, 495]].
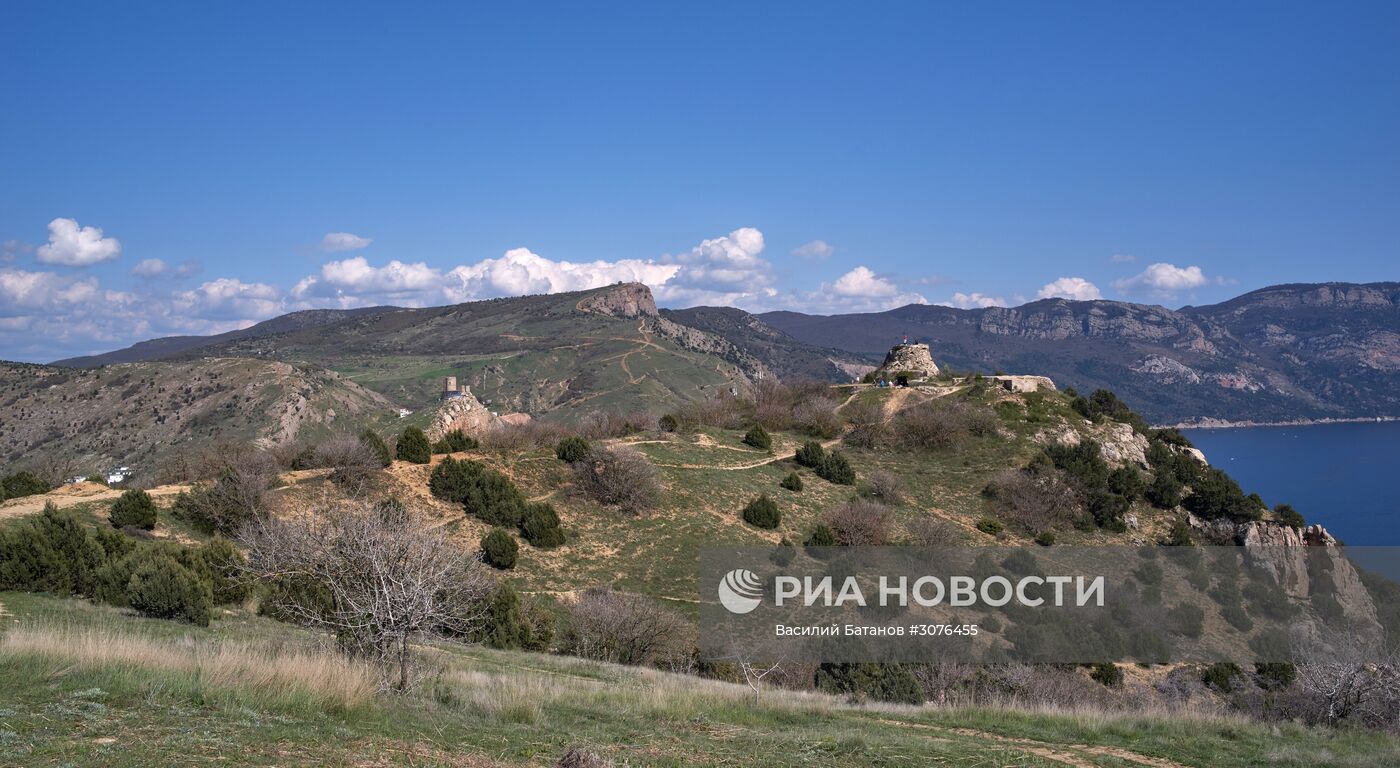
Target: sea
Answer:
[[1344, 476]]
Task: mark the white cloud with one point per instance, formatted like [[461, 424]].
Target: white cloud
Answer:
[[335, 242], [76, 246], [859, 290], [1122, 258], [863, 282], [817, 249], [1163, 279], [230, 299], [721, 270], [22, 292], [1073, 288], [974, 301], [149, 268]]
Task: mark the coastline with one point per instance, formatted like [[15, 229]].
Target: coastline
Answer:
[[1223, 424]]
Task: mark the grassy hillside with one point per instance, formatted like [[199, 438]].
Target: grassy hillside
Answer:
[[88, 685]]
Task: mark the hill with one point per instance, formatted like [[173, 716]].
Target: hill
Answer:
[[1288, 352], [138, 414]]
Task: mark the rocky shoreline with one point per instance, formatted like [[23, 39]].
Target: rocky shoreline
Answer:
[[1223, 424]]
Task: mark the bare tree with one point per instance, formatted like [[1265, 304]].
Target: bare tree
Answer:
[[860, 523], [375, 575], [606, 625], [620, 476], [1036, 501], [1345, 678]]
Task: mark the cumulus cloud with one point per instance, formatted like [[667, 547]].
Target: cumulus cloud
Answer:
[[720, 270], [75, 246], [335, 242], [859, 290], [817, 249], [974, 301], [149, 268], [230, 299], [1073, 288], [1163, 279]]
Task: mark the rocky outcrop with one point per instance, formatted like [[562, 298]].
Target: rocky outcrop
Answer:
[[621, 300], [463, 412], [708, 343], [909, 358], [1024, 383]]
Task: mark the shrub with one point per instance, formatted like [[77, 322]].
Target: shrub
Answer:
[[1221, 675], [811, 454], [572, 449], [22, 484], [1179, 535], [882, 682], [541, 526], [225, 565], [134, 509], [989, 526], [1216, 495], [1106, 674], [860, 523], [793, 482], [758, 437], [453, 480], [499, 550], [495, 500], [1274, 675], [1045, 539], [1034, 500], [377, 446], [1187, 620], [512, 623], [413, 446], [1126, 481], [763, 512], [164, 589], [822, 536], [605, 625], [836, 469], [618, 476], [1165, 490], [881, 486], [454, 441], [940, 428], [53, 553], [668, 423], [1289, 516], [817, 416]]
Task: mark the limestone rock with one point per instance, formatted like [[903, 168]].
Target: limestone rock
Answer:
[[621, 300], [915, 358], [463, 412]]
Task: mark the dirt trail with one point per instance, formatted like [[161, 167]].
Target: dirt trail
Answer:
[[1077, 755], [72, 495]]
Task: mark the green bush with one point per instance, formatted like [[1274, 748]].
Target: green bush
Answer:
[[225, 561], [1289, 516], [989, 526], [793, 482], [495, 500], [1106, 674], [758, 437], [836, 469], [822, 536], [1274, 675], [377, 446], [453, 480], [1221, 675], [23, 484], [134, 509], [499, 550], [1179, 535], [1216, 495], [512, 623], [1045, 538], [881, 682], [668, 423], [52, 553], [571, 449], [164, 589], [454, 441], [413, 446], [811, 454], [541, 526], [1126, 481], [1187, 620], [763, 512]]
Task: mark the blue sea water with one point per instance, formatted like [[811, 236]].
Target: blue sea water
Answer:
[[1344, 476]]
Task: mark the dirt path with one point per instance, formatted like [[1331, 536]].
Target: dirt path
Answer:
[[1077, 755], [72, 495]]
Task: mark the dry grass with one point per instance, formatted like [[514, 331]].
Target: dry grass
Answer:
[[321, 677]]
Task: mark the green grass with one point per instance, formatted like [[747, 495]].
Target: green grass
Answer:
[[480, 707]]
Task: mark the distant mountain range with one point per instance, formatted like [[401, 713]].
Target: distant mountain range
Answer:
[[1288, 352]]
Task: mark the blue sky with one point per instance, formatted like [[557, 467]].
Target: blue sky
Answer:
[[247, 159]]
